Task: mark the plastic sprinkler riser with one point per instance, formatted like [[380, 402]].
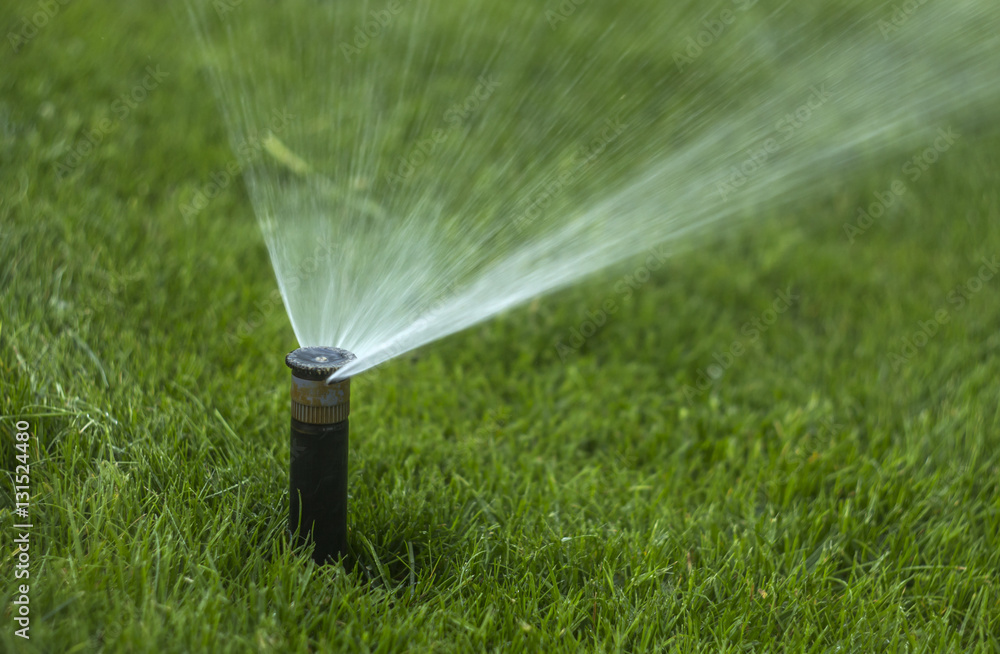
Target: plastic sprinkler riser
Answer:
[[317, 508]]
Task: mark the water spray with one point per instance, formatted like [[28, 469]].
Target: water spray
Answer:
[[317, 508], [759, 119]]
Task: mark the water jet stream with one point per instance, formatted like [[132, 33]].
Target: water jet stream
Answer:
[[448, 166]]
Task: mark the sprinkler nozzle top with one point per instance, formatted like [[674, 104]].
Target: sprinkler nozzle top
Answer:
[[313, 400], [317, 363]]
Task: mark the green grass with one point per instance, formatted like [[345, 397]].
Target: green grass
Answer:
[[816, 497]]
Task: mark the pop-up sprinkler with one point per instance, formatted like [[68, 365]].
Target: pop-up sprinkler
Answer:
[[318, 476]]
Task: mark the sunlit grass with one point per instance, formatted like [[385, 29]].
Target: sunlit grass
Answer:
[[504, 495]]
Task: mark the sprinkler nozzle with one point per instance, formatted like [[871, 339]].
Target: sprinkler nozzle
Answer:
[[319, 439]]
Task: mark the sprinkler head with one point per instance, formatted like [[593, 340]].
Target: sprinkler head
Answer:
[[319, 438], [313, 400]]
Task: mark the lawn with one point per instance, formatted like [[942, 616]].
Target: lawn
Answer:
[[786, 438]]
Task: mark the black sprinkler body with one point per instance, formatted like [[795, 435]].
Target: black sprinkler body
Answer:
[[318, 476]]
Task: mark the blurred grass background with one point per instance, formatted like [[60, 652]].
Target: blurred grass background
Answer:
[[816, 495]]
